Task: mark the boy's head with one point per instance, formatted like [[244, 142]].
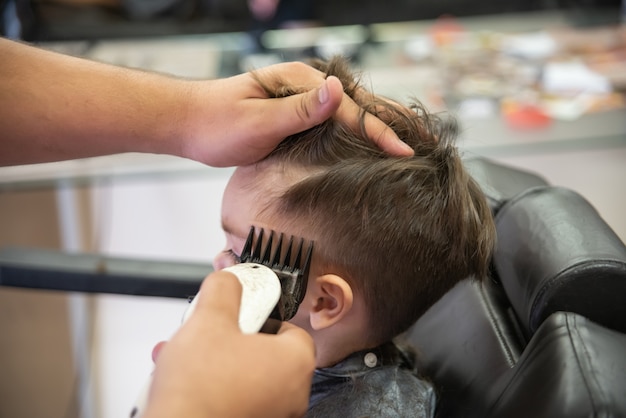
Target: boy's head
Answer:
[[392, 235]]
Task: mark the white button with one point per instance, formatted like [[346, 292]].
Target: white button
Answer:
[[370, 360]]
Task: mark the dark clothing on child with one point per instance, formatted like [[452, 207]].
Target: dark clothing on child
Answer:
[[376, 383]]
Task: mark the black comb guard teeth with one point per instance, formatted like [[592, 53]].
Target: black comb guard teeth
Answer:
[[291, 268]]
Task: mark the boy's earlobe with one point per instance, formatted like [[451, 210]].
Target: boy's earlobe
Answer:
[[333, 300]]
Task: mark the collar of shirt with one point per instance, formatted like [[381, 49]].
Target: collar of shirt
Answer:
[[362, 362]]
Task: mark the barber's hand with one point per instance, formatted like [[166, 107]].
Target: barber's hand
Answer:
[[243, 125], [210, 369]]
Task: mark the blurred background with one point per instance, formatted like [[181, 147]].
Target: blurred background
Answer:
[[538, 85], [46, 20]]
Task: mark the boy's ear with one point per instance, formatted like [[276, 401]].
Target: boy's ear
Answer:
[[333, 299]]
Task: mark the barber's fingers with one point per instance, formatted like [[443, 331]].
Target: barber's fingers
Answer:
[[302, 111], [290, 73], [219, 299], [375, 129], [297, 338], [156, 350], [217, 305], [317, 105]]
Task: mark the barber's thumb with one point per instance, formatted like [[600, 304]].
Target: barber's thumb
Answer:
[[220, 294], [321, 103]]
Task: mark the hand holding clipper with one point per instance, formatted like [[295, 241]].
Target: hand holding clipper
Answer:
[[272, 290]]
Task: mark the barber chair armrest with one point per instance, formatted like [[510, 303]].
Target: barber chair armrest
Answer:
[[571, 368]]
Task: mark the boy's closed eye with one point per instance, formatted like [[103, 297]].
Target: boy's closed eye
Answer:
[[233, 256], [225, 259]]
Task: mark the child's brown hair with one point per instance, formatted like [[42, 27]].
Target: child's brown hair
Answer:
[[402, 231]]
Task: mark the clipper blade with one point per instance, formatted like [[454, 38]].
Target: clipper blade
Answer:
[[292, 268]]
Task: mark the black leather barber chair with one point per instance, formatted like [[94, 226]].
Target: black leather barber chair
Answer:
[[545, 336]]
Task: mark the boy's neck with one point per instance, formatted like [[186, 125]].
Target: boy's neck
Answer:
[[327, 355], [334, 344]]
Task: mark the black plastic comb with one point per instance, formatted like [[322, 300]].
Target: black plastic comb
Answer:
[[291, 268]]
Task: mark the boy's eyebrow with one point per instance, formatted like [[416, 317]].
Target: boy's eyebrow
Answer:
[[230, 230]]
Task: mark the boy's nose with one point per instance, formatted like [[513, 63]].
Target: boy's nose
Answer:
[[218, 262], [221, 261]]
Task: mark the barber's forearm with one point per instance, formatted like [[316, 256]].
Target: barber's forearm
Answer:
[[56, 107]]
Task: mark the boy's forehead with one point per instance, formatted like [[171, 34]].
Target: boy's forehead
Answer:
[[267, 180], [250, 195], [247, 200]]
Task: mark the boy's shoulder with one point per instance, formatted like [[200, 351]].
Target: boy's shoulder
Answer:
[[381, 382]]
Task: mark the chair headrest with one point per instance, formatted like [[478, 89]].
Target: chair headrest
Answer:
[[555, 253]]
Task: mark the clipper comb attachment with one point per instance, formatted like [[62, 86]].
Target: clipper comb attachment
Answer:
[[291, 268]]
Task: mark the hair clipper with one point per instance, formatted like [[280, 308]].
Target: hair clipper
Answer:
[[274, 283]]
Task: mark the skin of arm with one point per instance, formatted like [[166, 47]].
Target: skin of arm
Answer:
[[58, 107], [210, 369]]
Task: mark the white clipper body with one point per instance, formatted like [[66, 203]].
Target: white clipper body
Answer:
[[260, 294]]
